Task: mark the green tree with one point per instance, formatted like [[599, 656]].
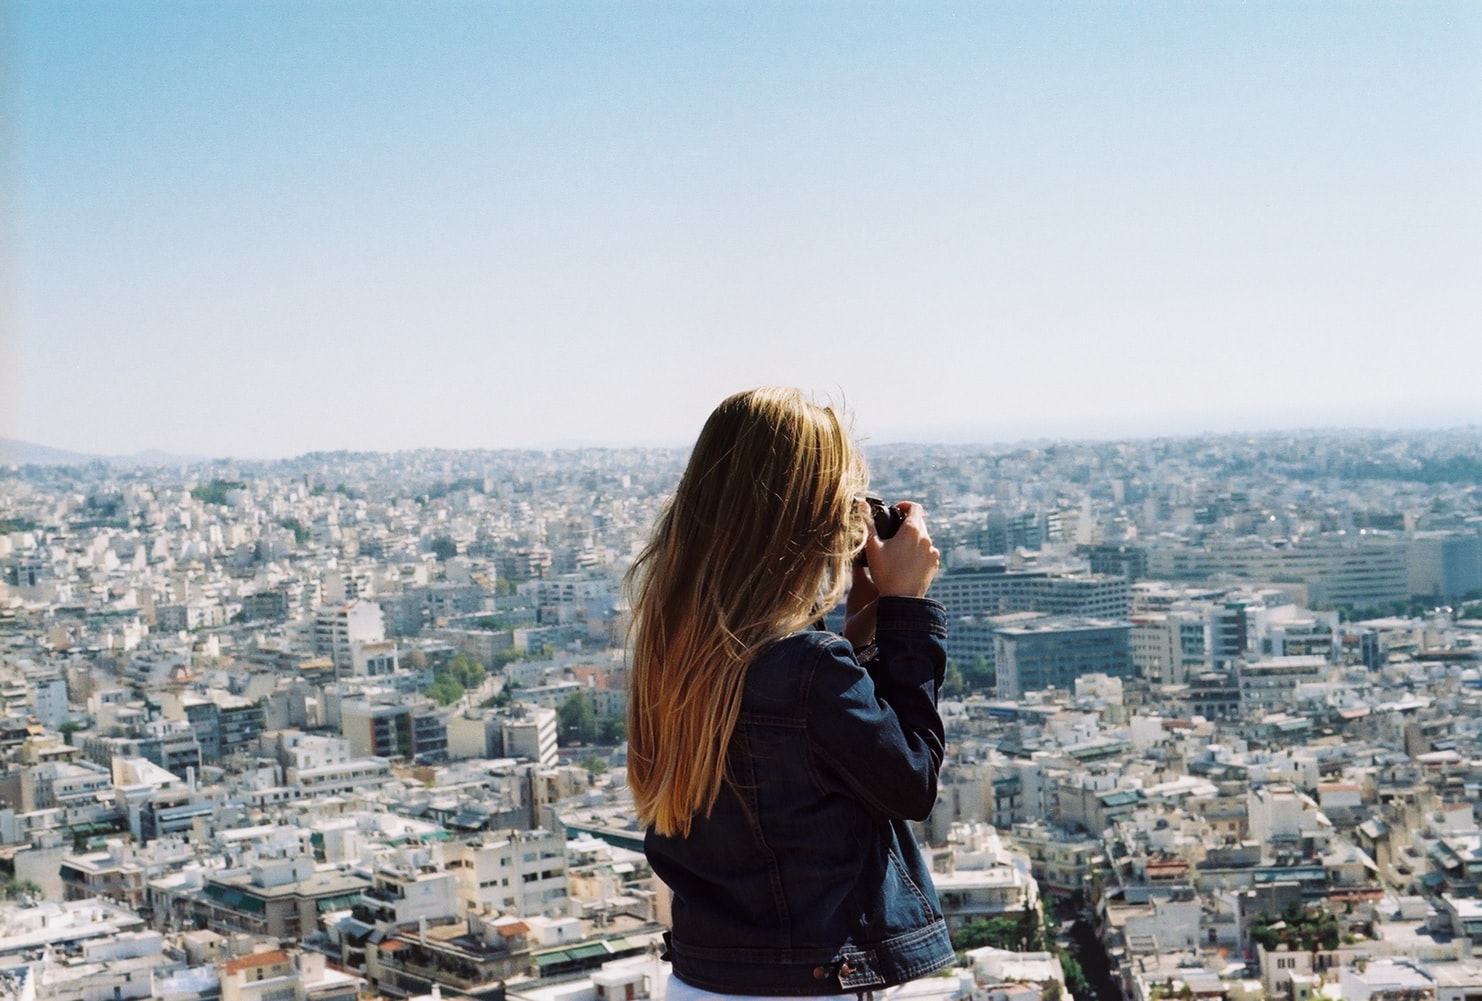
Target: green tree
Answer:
[[953, 686], [1075, 977], [1022, 932], [465, 670], [999, 933], [1031, 929], [445, 691], [576, 720], [1298, 928], [444, 549], [451, 679], [612, 730], [215, 491], [979, 675]]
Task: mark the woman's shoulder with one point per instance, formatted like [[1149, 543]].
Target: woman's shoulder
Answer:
[[806, 643], [787, 666]]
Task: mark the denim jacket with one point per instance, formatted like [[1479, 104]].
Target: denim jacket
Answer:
[[805, 879]]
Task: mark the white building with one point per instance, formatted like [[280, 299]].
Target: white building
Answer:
[[48, 697], [339, 630], [532, 736], [511, 872], [984, 879], [404, 892], [323, 765]]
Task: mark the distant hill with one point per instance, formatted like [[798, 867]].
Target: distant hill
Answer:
[[25, 453]]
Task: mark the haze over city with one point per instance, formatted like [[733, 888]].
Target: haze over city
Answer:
[[254, 230]]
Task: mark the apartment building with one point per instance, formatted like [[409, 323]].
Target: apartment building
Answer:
[[511, 872], [394, 730], [340, 629]]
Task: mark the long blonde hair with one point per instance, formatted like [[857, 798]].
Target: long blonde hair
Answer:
[[755, 542]]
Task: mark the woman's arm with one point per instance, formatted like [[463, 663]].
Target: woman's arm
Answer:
[[878, 731]]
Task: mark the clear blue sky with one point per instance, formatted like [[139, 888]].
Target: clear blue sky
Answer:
[[262, 228]]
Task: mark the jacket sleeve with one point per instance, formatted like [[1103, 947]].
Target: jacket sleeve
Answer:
[[879, 731]]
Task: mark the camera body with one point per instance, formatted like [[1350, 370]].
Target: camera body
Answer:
[[887, 518]]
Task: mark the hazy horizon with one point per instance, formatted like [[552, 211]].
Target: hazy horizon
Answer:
[[949, 438]]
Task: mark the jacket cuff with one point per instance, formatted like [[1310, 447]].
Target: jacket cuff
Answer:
[[896, 613]]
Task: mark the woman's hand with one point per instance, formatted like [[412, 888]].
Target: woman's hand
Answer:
[[905, 563]]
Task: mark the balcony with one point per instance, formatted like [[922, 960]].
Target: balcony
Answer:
[[380, 894]]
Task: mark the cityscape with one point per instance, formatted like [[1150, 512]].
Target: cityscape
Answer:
[[350, 724], [1163, 311]]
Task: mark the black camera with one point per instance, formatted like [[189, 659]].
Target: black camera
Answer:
[[887, 519]]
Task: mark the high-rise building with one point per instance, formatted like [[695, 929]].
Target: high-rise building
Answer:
[[338, 629], [1116, 559], [48, 691], [1445, 564], [1054, 652], [532, 735]]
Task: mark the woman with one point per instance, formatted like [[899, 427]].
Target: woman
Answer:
[[773, 770]]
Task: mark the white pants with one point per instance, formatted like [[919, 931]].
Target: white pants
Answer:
[[678, 990]]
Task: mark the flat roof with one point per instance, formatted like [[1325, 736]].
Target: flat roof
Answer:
[[270, 958]]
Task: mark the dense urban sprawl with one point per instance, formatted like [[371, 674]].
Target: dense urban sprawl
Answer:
[[351, 724]]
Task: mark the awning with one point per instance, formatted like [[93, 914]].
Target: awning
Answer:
[[235, 899], [343, 902]]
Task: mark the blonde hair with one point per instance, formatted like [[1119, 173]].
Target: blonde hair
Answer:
[[756, 541]]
